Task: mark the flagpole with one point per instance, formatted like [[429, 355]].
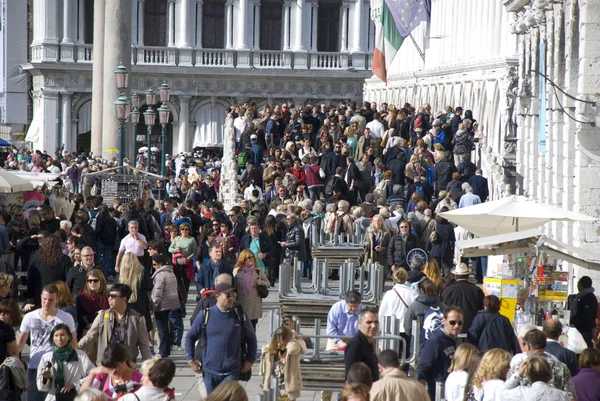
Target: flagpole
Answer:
[[417, 46]]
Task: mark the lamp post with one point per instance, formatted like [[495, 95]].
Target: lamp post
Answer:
[[122, 106], [163, 116], [135, 114], [149, 119]]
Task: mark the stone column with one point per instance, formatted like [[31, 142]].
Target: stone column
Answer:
[[171, 23], [117, 50], [184, 123], [141, 12], [65, 120], [73, 138], [358, 27], [344, 34], [242, 25], [183, 42], [299, 45], [315, 27], [45, 30], [256, 25], [81, 18], [286, 26], [66, 45], [229, 24], [199, 24], [97, 77], [50, 110], [228, 190]]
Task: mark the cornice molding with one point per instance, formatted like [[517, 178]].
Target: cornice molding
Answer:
[[513, 6]]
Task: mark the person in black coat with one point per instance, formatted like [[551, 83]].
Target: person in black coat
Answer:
[[398, 166], [361, 347], [492, 330], [443, 173], [457, 119], [106, 235], [441, 247], [353, 180], [464, 294], [584, 309], [294, 243], [552, 329], [480, 185], [332, 160], [400, 245]]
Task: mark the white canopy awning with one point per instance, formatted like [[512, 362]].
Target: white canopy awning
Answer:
[[526, 241]]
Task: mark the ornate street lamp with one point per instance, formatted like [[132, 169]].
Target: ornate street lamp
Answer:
[[122, 108], [165, 92], [150, 97], [163, 116], [121, 78], [149, 119]]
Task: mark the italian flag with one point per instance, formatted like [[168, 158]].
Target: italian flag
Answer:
[[387, 42]]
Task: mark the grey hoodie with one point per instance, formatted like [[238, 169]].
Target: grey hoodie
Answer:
[[419, 307]]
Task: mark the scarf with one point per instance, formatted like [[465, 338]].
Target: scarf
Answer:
[[60, 356], [92, 305], [247, 280]]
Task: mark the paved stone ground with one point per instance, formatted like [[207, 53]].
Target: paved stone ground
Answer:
[[185, 382]]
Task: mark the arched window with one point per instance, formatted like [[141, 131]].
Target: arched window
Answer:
[[155, 23], [213, 24], [270, 25], [328, 28]]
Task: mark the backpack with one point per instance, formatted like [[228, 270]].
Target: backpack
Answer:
[[420, 190], [432, 321], [202, 341], [242, 157], [380, 190]]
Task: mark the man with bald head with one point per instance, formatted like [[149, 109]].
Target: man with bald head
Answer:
[[552, 329]]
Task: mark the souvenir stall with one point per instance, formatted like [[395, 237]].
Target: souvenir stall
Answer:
[[527, 271], [113, 185], [15, 191]]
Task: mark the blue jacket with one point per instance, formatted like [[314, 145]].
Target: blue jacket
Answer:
[[222, 354], [209, 271], [436, 356]]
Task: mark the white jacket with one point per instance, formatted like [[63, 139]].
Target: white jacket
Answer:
[[536, 392], [74, 372], [392, 305]]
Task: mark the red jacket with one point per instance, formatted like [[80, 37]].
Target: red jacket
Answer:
[[300, 175]]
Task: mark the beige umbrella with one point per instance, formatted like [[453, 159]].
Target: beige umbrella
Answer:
[[10, 182]]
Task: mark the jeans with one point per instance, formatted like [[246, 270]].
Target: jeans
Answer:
[[162, 325], [315, 193], [307, 268], [176, 319], [105, 252], [212, 381], [33, 394]]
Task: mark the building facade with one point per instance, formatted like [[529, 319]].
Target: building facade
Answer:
[[528, 69], [212, 53]]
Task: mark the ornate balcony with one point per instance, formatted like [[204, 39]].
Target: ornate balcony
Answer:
[[219, 58]]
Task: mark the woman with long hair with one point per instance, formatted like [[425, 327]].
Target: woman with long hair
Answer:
[[65, 299], [465, 360], [433, 273], [377, 239], [488, 380], [228, 391], [92, 298], [283, 361], [247, 277], [60, 370], [83, 238], [10, 313], [133, 274], [116, 369], [275, 232], [48, 265]]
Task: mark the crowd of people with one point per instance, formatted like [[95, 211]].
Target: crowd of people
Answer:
[[101, 283]]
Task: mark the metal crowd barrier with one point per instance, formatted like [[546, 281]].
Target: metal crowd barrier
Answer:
[[321, 239]]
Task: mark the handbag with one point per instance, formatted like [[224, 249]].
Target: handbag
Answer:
[[262, 289], [68, 396]]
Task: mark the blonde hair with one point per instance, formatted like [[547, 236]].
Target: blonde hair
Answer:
[[148, 364], [493, 365], [131, 273], [245, 255], [91, 394], [282, 335], [433, 273], [6, 280], [228, 391], [462, 357], [400, 276]]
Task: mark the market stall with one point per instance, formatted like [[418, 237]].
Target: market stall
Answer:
[[526, 271], [123, 187]]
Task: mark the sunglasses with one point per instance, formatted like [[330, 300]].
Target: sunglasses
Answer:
[[93, 280], [455, 322], [4, 312], [113, 295]]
